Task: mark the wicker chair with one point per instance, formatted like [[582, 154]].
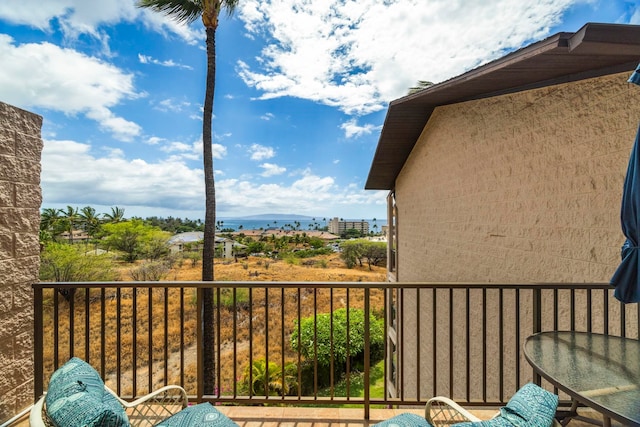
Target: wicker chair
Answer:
[[78, 395], [442, 411], [146, 411]]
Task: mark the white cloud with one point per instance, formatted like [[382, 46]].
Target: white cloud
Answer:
[[67, 81], [352, 129], [358, 55], [260, 152], [309, 194], [172, 105], [72, 174], [218, 150], [271, 169], [267, 116], [144, 59], [76, 17]]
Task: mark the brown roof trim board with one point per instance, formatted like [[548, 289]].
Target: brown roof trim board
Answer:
[[594, 50]]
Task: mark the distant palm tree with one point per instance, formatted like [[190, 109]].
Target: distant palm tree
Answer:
[[89, 220], [422, 84], [50, 220], [116, 215], [70, 218], [187, 11]]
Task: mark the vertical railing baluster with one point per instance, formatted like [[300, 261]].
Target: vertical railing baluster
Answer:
[[400, 333], [38, 340], [251, 342], [589, 310], [299, 341], [331, 344], [605, 310], [181, 292], [468, 341], [266, 342], [218, 344], [315, 341], [451, 343], [282, 337], [87, 327], [134, 329], [199, 343], [118, 340], [150, 339], [501, 342], [517, 338], [385, 368], [537, 323], [348, 349], [367, 352], [72, 327], [484, 344], [623, 319], [165, 354], [418, 342], [555, 309], [103, 335], [235, 341], [573, 309], [56, 329]]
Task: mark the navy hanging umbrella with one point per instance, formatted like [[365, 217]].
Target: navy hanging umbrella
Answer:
[[626, 279]]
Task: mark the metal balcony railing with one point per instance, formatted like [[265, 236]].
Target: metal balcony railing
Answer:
[[459, 340]]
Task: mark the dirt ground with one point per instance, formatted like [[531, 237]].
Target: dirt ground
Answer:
[[326, 268]]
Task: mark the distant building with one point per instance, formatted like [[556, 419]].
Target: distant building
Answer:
[[77, 236], [337, 226], [193, 239]]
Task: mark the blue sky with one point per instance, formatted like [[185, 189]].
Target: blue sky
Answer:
[[301, 93]]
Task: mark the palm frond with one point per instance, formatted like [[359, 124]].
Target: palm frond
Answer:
[[422, 84], [229, 6], [186, 11]]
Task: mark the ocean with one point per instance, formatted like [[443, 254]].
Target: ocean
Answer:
[[301, 224]]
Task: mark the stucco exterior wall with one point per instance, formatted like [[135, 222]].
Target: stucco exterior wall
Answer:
[[20, 200], [516, 188]]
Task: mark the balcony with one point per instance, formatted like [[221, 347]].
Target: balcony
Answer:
[[462, 341]]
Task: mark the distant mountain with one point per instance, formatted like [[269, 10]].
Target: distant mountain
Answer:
[[272, 216]]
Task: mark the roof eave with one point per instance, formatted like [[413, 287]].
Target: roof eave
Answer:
[[594, 50]]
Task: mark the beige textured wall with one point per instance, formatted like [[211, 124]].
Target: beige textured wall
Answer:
[[517, 188], [20, 199]]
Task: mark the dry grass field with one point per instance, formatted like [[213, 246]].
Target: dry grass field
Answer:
[[325, 268], [246, 332]]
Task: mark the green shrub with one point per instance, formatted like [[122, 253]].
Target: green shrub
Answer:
[[323, 341]]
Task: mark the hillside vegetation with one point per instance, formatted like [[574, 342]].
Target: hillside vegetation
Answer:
[[283, 306]]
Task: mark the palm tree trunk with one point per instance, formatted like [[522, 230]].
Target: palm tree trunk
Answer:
[[207, 307]]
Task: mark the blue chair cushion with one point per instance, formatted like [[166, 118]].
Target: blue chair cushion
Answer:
[[76, 397], [531, 406], [404, 420], [202, 415]]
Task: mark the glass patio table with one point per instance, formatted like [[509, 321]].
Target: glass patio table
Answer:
[[595, 370]]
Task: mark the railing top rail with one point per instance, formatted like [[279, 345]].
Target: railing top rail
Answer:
[[341, 285]]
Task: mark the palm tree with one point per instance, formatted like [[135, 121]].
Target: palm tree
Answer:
[[89, 220], [116, 215], [187, 11], [50, 220], [422, 84], [70, 218]]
